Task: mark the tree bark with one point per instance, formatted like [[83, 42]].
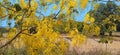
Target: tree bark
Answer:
[[110, 33]]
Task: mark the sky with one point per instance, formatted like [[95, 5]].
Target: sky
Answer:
[[79, 17]]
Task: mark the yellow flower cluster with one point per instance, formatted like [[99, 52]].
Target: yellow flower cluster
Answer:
[[89, 26], [97, 30], [88, 18], [91, 29], [45, 41], [2, 12], [77, 39], [34, 5], [96, 7], [49, 0], [84, 3], [62, 4], [72, 4], [55, 7], [114, 27], [23, 4]]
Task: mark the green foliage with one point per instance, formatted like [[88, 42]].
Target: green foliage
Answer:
[[105, 16], [80, 26], [17, 7], [106, 40], [118, 25]]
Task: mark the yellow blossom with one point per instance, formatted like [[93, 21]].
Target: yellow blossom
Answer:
[[55, 7], [23, 4]]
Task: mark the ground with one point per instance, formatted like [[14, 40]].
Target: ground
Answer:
[[92, 47]]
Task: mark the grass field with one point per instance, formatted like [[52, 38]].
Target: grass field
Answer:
[[92, 47]]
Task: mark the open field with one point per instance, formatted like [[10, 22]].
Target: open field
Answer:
[[92, 47]]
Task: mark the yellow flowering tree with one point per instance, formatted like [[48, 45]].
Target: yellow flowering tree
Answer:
[[90, 26], [36, 35]]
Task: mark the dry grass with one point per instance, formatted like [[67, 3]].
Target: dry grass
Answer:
[[92, 47], [89, 47]]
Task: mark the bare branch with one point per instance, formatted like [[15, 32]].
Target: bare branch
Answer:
[[57, 14]]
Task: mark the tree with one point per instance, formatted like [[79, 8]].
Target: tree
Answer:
[[89, 26], [35, 34], [105, 16]]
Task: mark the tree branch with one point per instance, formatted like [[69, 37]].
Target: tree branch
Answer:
[[29, 14], [29, 3], [16, 35], [8, 8], [3, 16], [11, 40], [57, 14]]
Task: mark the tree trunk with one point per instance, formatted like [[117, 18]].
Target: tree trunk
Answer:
[[110, 33], [102, 33]]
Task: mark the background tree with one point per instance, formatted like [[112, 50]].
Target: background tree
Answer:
[[105, 16]]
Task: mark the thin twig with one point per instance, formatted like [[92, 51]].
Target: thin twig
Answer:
[[29, 4], [57, 14]]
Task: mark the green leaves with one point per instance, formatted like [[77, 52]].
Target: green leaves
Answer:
[[17, 7], [105, 40]]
